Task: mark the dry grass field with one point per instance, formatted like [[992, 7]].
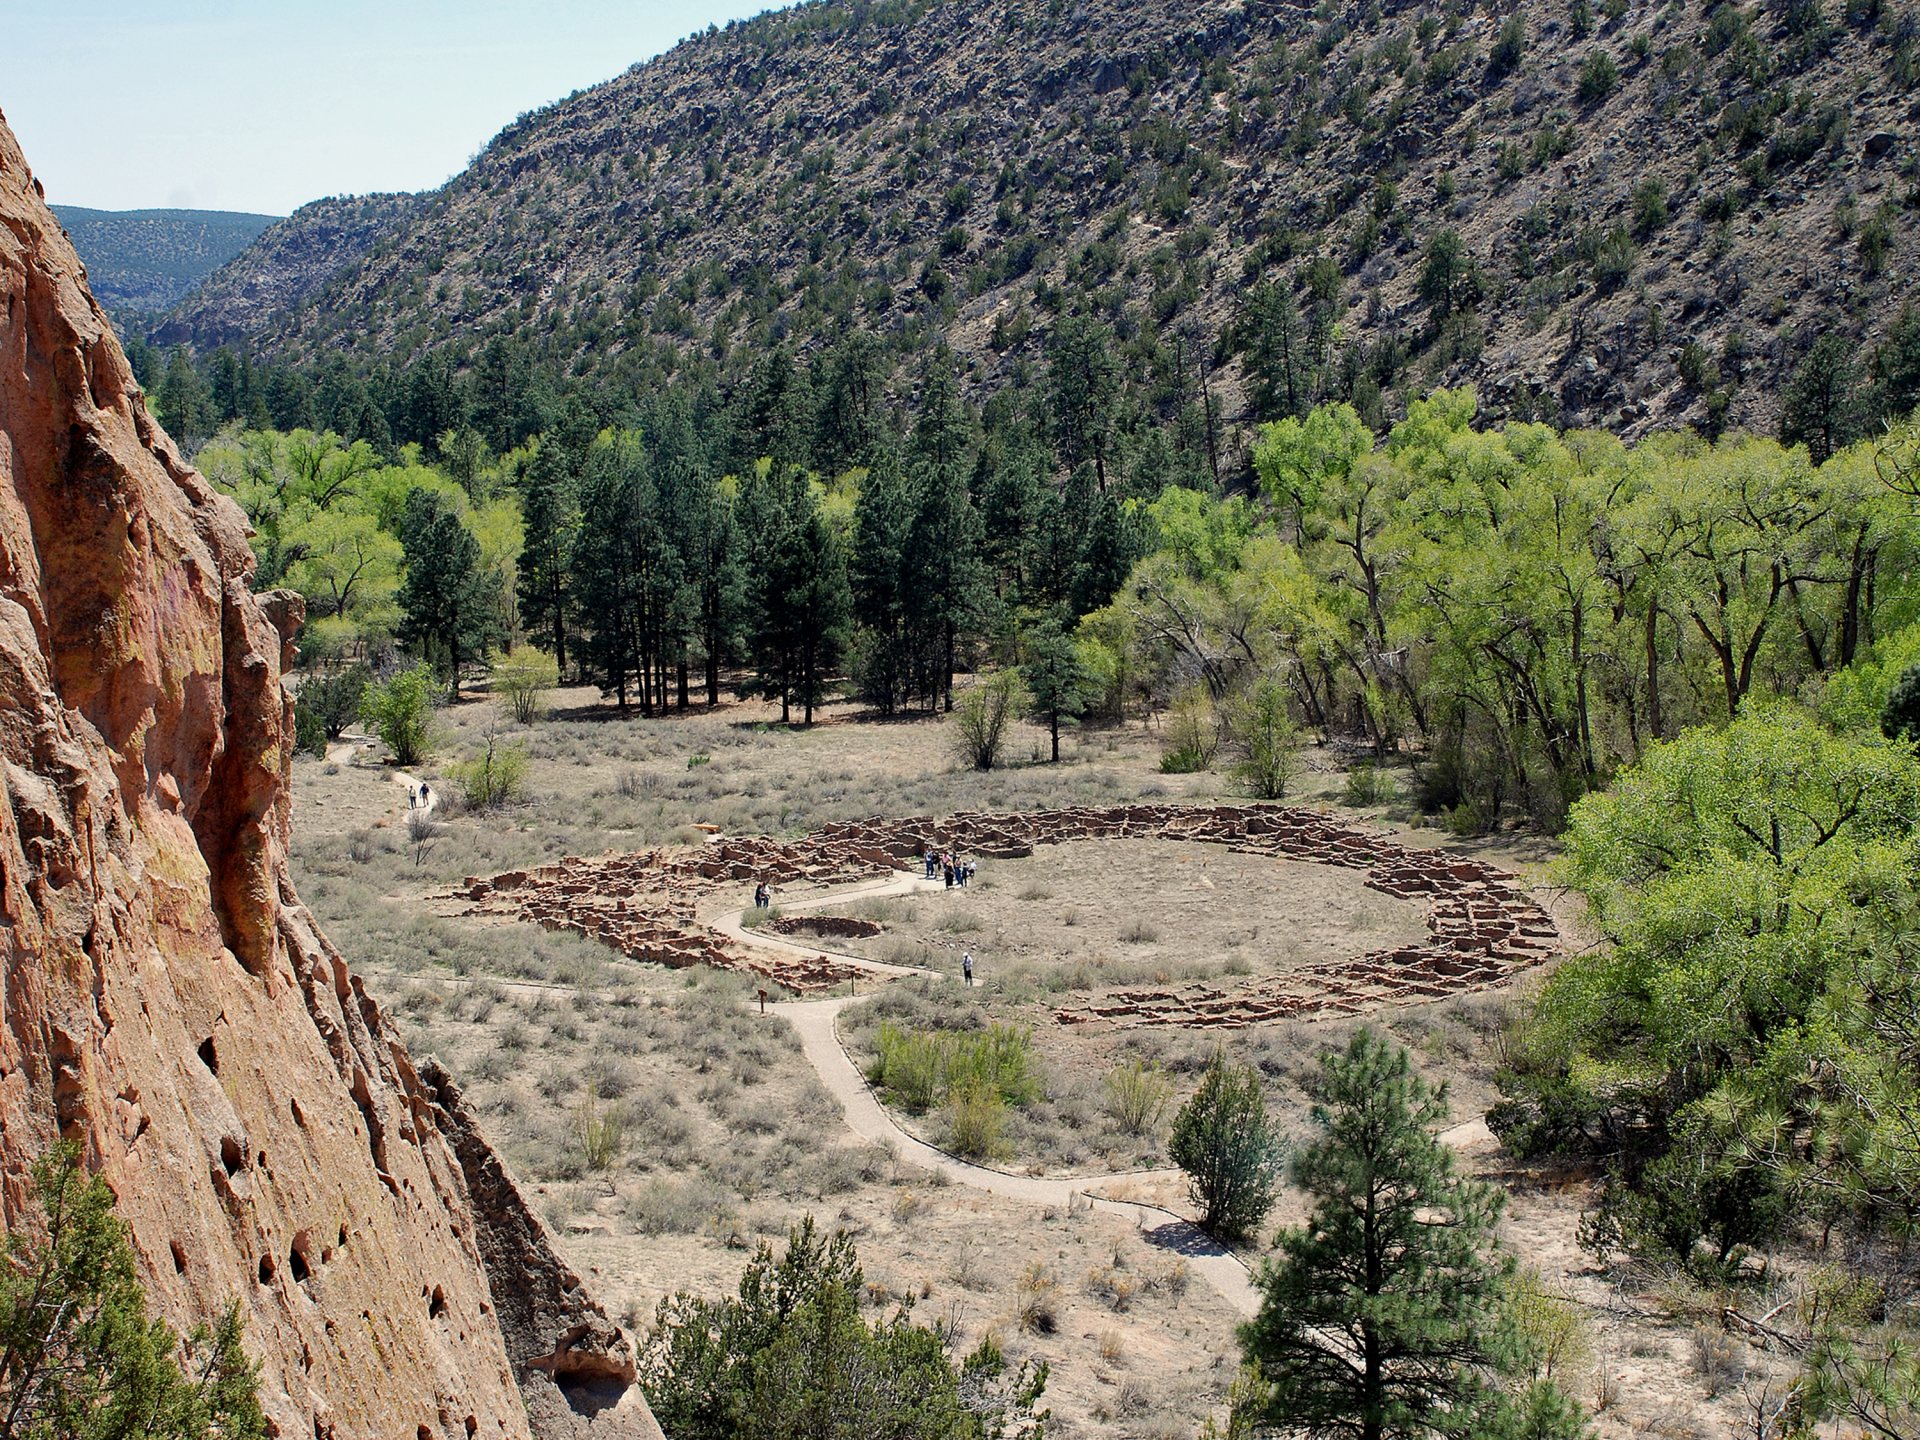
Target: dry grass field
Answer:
[[665, 1126]]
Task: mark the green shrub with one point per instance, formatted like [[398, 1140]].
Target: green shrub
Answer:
[[794, 1353], [309, 731], [1137, 1094], [1000, 1057], [602, 1131], [919, 1068], [1368, 784], [1649, 205], [522, 678], [1230, 1150], [400, 712], [1599, 78], [908, 1065], [1192, 734], [78, 1356], [981, 717], [495, 778], [976, 1119], [1267, 741]]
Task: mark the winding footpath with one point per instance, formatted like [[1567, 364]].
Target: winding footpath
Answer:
[[814, 1022]]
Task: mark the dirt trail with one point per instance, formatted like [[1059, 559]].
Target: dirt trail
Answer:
[[813, 1022], [342, 753]]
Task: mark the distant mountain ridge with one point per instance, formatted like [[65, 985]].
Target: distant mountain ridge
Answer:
[[144, 262], [1646, 212]]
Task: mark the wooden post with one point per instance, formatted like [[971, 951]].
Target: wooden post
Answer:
[[763, 1002]]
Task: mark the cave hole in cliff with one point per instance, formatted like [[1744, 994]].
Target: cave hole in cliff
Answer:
[[233, 1155], [179, 1253], [299, 1115], [267, 1269], [437, 1306], [297, 1263], [209, 1056], [588, 1395], [472, 1424]]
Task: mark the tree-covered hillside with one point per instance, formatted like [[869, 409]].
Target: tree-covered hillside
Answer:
[[1622, 214], [141, 263]]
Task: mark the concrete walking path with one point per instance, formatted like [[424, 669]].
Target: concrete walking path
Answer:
[[813, 1021]]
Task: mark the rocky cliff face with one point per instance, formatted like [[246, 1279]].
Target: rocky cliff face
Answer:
[[1628, 180], [168, 1002]]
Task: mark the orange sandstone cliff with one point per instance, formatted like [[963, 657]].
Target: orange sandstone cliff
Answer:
[[168, 1002]]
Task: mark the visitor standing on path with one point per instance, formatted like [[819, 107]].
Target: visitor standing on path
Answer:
[[966, 967]]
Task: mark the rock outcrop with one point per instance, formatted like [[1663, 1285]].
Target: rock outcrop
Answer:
[[168, 1003]]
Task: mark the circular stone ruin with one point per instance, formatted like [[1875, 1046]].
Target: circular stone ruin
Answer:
[[1480, 926]]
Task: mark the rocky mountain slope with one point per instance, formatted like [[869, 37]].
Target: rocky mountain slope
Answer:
[[169, 1004], [141, 263], [1626, 181]]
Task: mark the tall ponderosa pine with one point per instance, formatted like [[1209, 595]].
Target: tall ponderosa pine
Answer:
[[1825, 407], [1279, 361], [899, 643], [1383, 1317], [550, 508], [800, 600], [627, 576], [685, 484], [1082, 384], [448, 613], [847, 397], [944, 547], [1060, 685]]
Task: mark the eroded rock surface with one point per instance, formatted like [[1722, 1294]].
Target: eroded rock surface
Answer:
[[168, 1003]]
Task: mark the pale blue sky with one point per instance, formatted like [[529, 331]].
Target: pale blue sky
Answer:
[[230, 105]]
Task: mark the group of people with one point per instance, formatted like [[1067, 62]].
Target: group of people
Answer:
[[939, 862], [763, 896], [418, 796]]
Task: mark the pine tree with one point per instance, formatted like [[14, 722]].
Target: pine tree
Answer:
[[627, 577], [1229, 1149], [1082, 383], [550, 511], [79, 1356], [1824, 408], [1279, 366], [1058, 681], [444, 599], [893, 652], [182, 401], [1896, 366], [848, 398], [947, 579], [1383, 1315], [800, 600]]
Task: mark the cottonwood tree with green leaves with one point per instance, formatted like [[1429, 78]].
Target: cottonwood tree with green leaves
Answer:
[[79, 1357], [1383, 1317], [1757, 886]]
